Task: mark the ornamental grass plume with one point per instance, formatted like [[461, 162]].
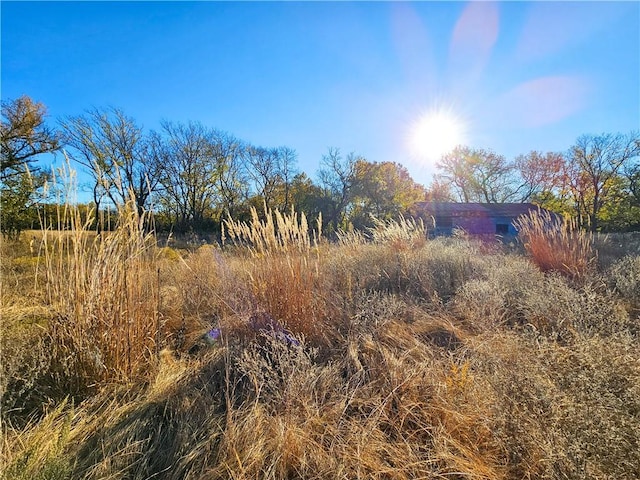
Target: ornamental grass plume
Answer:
[[277, 233], [283, 271], [556, 244]]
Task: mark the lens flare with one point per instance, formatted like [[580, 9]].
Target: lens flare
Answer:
[[436, 133]]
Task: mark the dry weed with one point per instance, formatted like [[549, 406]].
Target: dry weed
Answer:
[[624, 277]]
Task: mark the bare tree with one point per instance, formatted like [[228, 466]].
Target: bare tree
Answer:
[[477, 175], [337, 175], [231, 177], [631, 172], [189, 169], [263, 168], [287, 159], [113, 149], [598, 159]]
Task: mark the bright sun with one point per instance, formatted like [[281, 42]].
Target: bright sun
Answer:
[[436, 133]]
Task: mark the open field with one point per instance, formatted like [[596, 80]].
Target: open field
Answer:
[[391, 357]]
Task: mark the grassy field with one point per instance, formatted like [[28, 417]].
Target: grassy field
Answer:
[[282, 356]]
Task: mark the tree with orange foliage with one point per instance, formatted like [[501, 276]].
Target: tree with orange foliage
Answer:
[[382, 190], [24, 135]]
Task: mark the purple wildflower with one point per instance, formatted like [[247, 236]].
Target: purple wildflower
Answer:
[[290, 339], [212, 335], [265, 323]]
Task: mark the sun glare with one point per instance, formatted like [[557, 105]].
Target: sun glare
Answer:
[[436, 133]]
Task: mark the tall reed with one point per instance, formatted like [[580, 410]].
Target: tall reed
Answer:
[[407, 232]]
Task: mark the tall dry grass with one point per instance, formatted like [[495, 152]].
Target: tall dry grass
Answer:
[[105, 294], [415, 359], [556, 244], [283, 269], [102, 323], [277, 232]]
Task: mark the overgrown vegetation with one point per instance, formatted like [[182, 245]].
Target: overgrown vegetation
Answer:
[[279, 355]]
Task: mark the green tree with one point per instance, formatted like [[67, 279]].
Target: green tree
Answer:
[[18, 202], [620, 212], [306, 196]]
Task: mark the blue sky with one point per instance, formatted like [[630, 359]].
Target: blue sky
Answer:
[[517, 75]]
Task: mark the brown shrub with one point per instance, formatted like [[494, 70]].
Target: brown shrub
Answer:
[[624, 277], [563, 412], [515, 294]]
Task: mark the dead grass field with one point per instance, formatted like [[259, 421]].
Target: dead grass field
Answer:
[[387, 357]]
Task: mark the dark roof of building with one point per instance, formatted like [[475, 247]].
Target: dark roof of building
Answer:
[[443, 209]]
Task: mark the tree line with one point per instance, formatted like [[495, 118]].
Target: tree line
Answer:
[[597, 181], [191, 176], [188, 175]]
